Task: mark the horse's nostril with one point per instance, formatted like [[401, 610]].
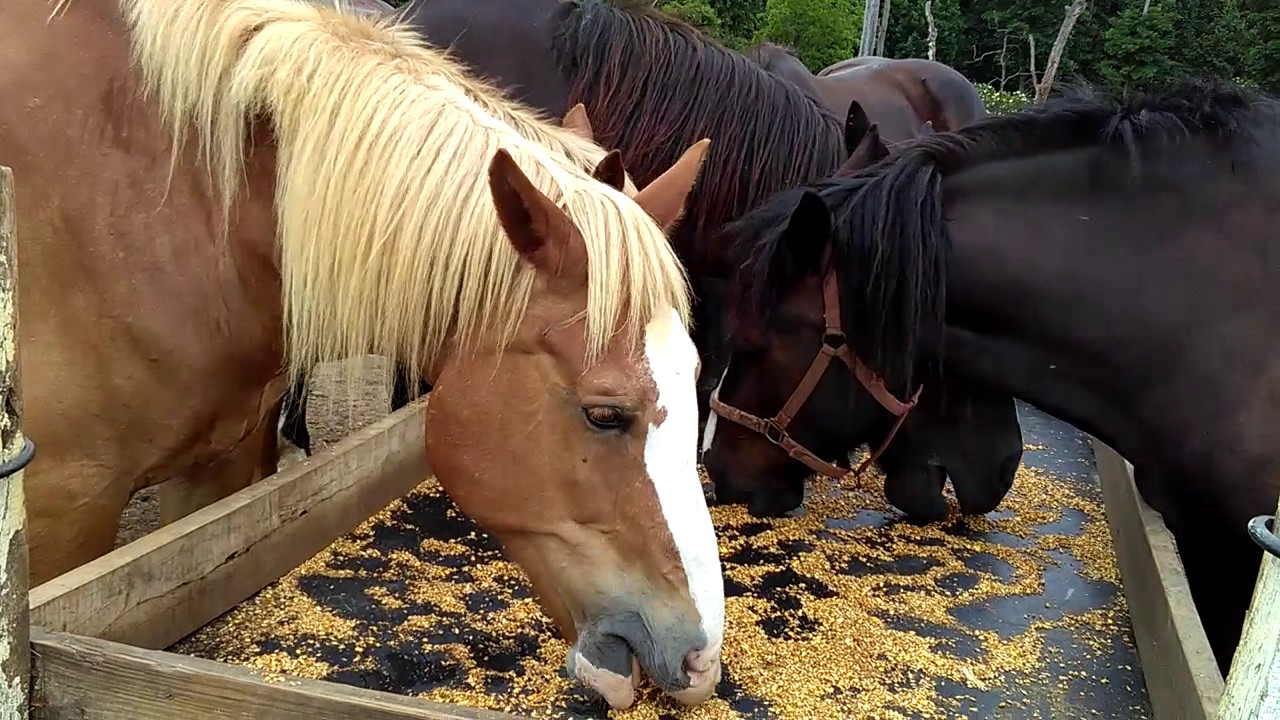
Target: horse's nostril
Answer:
[[699, 661]]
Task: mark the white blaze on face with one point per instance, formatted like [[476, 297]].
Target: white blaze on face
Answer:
[[709, 430], [670, 457]]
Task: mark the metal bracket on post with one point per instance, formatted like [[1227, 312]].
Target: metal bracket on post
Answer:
[[1253, 685], [19, 462], [1262, 530]]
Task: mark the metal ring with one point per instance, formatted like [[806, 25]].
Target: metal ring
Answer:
[[1262, 532], [14, 465], [835, 340], [778, 433]]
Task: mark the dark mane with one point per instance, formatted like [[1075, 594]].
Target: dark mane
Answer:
[[654, 85], [889, 237], [1206, 108]]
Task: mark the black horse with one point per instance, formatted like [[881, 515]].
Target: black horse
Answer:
[[651, 84], [1112, 264]]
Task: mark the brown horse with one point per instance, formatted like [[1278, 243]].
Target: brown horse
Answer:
[[905, 98], [349, 190], [861, 61]]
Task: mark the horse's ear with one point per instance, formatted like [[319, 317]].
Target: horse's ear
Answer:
[[539, 230], [856, 124], [664, 198], [927, 129], [610, 171], [871, 150], [576, 121], [803, 244]]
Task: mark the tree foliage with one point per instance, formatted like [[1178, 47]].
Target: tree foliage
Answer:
[[701, 14], [1114, 45], [1138, 49], [821, 32]]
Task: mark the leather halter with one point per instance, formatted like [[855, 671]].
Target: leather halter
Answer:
[[834, 344]]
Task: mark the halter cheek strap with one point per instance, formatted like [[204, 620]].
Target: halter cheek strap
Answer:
[[834, 345]]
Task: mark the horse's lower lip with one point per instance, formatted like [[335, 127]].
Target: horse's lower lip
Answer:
[[702, 686], [619, 692]]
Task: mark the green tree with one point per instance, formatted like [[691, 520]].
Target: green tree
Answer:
[[739, 20], [821, 31], [697, 13], [1138, 50], [909, 31], [1262, 44]]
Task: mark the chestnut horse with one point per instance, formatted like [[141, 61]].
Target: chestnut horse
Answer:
[[769, 137], [217, 193], [1134, 297], [906, 98]]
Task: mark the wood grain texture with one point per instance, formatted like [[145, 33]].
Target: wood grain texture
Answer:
[[1253, 684], [1182, 676], [14, 650], [78, 677], [159, 588]]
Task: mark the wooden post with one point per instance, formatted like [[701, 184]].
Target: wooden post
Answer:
[[1253, 685], [15, 651]]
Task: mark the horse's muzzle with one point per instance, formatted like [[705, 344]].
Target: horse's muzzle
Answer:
[[611, 653]]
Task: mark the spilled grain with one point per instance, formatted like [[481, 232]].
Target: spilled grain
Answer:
[[841, 611]]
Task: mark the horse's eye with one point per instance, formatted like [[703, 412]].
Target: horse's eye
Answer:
[[607, 417]]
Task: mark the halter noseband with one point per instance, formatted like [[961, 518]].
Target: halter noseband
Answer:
[[834, 344]]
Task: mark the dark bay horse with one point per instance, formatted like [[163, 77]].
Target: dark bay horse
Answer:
[[643, 75], [185, 235], [1112, 264], [906, 98]]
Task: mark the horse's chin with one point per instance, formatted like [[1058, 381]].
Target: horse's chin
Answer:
[[916, 490], [614, 675]]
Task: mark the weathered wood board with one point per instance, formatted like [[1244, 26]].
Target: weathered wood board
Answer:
[[165, 585], [77, 677], [843, 611], [1253, 682], [1182, 676], [14, 647]]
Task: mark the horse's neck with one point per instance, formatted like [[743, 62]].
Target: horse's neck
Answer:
[[1134, 317]]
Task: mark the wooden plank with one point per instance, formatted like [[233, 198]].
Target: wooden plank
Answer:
[[78, 677], [14, 649], [1253, 683], [1182, 676], [161, 587]]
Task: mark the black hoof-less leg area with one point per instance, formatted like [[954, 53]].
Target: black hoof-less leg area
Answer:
[[293, 414]]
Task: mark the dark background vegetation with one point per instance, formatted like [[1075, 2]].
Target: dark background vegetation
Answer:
[[1116, 45]]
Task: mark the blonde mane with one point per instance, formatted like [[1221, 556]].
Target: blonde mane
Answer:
[[389, 240]]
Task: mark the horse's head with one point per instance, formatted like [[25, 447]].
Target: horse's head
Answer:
[[582, 460], [963, 431], [781, 414], [770, 376]]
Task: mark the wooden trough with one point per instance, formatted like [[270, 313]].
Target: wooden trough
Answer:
[[96, 632]]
